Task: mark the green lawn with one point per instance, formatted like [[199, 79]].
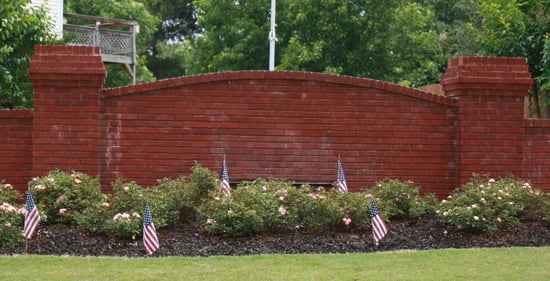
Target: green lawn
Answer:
[[453, 264]]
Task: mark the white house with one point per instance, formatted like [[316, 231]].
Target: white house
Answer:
[[55, 13]]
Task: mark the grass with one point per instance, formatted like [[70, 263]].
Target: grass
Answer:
[[452, 264]]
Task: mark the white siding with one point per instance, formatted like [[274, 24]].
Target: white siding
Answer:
[[55, 12]]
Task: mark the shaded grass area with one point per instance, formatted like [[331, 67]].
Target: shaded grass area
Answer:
[[451, 264]]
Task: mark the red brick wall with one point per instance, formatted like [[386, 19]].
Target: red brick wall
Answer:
[[16, 147], [291, 125], [537, 152], [67, 81], [490, 124]]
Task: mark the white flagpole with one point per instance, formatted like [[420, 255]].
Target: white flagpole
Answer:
[[272, 38]]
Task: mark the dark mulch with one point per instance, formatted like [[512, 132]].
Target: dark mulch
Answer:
[[187, 239]]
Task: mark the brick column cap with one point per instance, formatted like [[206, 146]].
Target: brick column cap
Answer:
[[487, 76], [53, 64]]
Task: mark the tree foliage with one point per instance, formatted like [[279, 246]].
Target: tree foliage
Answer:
[[178, 22], [519, 29], [134, 10], [406, 42], [21, 27], [387, 40]]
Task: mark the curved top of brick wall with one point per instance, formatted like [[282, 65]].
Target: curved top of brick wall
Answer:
[[279, 75]]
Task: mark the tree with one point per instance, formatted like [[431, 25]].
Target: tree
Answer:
[[178, 22], [235, 36], [450, 23], [21, 28], [127, 10], [519, 29], [387, 40]]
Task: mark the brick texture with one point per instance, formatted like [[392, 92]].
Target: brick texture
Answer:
[[289, 125], [276, 124], [16, 147], [67, 81], [490, 126]]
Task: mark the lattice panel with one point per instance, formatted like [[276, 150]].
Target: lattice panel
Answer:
[[79, 36], [115, 42], [111, 41]]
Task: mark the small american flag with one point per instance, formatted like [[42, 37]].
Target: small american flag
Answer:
[[150, 240], [32, 217], [224, 178], [379, 229], [342, 186]]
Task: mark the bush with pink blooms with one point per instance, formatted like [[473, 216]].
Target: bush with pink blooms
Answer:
[[276, 205], [402, 199], [251, 208], [488, 205], [261, 205], [67, 197], [11, 217], [125, 206]]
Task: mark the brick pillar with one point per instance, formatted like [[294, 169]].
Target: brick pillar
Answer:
[[490, 127], [67, 83]]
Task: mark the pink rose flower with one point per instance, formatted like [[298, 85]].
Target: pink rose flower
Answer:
[[347, 221], [62, 210]]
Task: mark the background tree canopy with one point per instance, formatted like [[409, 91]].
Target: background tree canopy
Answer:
[[405, 42], [20, 29]]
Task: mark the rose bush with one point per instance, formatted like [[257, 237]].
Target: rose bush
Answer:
[[68, 198], [489, 205], [11, 217]]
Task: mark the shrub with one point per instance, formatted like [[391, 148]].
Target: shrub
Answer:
[[126, 206], [199, 184], [124, 225], [488, 205], [222, 215], [11, 217], [328, 209], [68, 198], [167, 199], [276, 205], [402, 199], [276, 202], [8, 194], [253, 207]]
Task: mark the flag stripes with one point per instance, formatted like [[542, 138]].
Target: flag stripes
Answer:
[[32, 217], [150, 239], [341, 185], [224, 178], [379, 228]]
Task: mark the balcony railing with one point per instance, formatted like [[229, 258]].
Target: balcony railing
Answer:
[[116, 38]]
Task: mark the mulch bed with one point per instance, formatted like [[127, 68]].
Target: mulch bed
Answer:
[[186, 239]]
